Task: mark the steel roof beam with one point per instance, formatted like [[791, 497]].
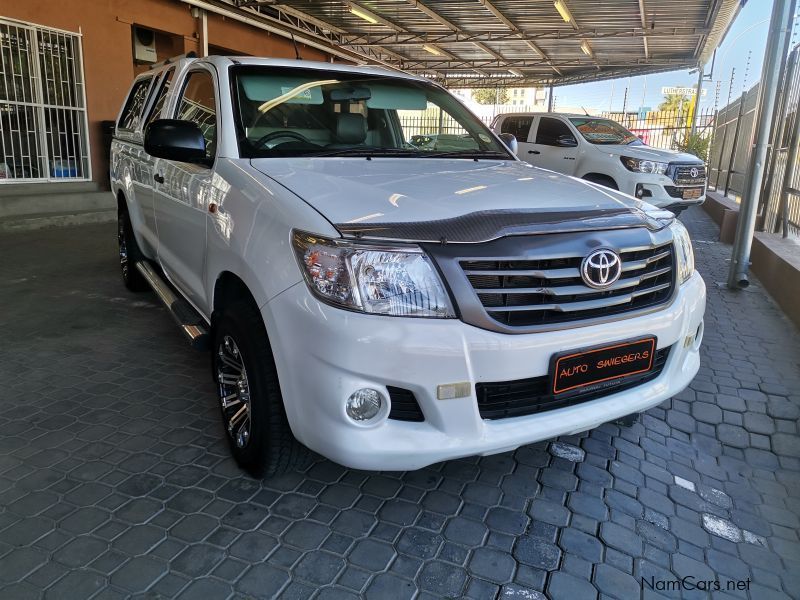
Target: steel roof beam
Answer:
[[472, 37], [452, 27], [642, 14], [513, 27]]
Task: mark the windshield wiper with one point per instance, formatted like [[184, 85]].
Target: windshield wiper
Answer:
[[474, 154], [366, 152]]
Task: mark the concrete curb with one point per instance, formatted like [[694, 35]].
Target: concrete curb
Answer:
[[47, 221]]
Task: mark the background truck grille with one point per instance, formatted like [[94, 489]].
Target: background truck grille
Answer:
[[682, 175], [520, 293], [505, 399]]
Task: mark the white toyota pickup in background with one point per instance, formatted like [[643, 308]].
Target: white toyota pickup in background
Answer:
[[387, 296], [603, 151]]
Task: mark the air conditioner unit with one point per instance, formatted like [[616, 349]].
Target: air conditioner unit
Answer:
[[144, 45]]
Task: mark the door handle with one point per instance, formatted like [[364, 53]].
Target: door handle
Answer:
[[159, 178], [533, 152]]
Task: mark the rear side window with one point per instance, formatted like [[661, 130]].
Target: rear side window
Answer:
[[132, 113], [550, 130], [158, 105], [518, 126], [198, 104]]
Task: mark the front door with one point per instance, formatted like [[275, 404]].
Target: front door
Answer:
[[520, 127], [554, 146], [183, 192]]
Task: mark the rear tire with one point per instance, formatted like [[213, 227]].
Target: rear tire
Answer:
[[602, 180], [129, 254], [250, 398]]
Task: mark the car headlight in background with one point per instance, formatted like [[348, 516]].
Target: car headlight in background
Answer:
[[683, 250], [644, 166], [372, 279]]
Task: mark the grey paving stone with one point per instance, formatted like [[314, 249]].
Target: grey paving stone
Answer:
[[492, 565], [442, 579], [197, 560], [621, 538], [585, 546], [139, 573], [372, 555], [563, 586], [115, 480], [387, 585], [537, 553], [615, 583]]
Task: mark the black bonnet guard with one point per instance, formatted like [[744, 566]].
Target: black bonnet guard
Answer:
[[488, 225]]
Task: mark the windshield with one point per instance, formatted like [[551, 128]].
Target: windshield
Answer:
[[604, 131], [309, 112]]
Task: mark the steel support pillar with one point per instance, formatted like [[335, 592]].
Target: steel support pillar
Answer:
[[777, 46]]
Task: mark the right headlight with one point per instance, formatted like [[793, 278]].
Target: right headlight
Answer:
[[644, 166], [683, 250], [398, 281]]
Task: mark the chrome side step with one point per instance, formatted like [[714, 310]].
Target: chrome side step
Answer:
[[192, 324]]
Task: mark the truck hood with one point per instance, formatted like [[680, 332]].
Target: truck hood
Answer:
[[432, 199], [645, 152]]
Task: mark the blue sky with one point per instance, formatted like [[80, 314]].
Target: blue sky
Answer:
[[747, 34]]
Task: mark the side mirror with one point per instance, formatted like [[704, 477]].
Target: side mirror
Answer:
[[174, 139], [510, 141], [566, 141]]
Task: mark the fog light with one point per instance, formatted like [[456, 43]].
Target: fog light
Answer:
[[364, 404]]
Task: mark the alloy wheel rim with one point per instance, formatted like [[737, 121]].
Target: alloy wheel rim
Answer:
[[234, 391], [123, 248]]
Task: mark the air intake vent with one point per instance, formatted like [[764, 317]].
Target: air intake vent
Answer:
[[404, 405], [522, 397]]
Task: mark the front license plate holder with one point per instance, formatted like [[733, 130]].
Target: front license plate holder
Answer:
[[600, 367]]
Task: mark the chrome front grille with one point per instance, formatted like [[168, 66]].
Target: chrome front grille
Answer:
[[530, 293], [682, 174]]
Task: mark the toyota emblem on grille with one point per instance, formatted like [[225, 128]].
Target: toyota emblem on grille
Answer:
[[601, 268], [694, 172]]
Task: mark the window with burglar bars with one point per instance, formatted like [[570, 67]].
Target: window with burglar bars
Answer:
[[43, 126]]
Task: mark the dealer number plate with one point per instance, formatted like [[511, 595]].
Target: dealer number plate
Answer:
[[602, 366]]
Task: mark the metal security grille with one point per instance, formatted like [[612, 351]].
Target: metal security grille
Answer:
[[43, 126]]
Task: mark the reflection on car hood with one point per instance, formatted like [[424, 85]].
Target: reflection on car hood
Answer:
[[430, 199], [645, 152]]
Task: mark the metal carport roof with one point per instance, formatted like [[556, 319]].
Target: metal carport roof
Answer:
[[482, 43]]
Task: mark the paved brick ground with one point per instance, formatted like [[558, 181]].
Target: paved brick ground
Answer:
[[115, 478]]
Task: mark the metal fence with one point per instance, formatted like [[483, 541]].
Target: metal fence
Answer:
[[779, 200], [658, 128], [668, 128]]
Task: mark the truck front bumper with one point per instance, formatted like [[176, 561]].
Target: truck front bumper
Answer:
[[324, 354]]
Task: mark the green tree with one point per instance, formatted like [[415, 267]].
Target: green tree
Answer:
[[675, 102], [490, 95]]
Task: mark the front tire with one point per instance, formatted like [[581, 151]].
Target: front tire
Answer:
[[249, 393], [129, 254]]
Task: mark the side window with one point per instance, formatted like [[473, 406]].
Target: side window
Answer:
[[163, 91], [519, 126], [132, 113], [198, 104], [550, 130]]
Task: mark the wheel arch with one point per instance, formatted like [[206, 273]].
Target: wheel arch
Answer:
[[594, 176]]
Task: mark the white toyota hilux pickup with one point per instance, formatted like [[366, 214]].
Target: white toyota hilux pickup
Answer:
[[604, 152], [385, 304]]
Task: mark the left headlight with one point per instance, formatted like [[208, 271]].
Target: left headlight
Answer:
[[644, 166], [683, 250], [370, 278]]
